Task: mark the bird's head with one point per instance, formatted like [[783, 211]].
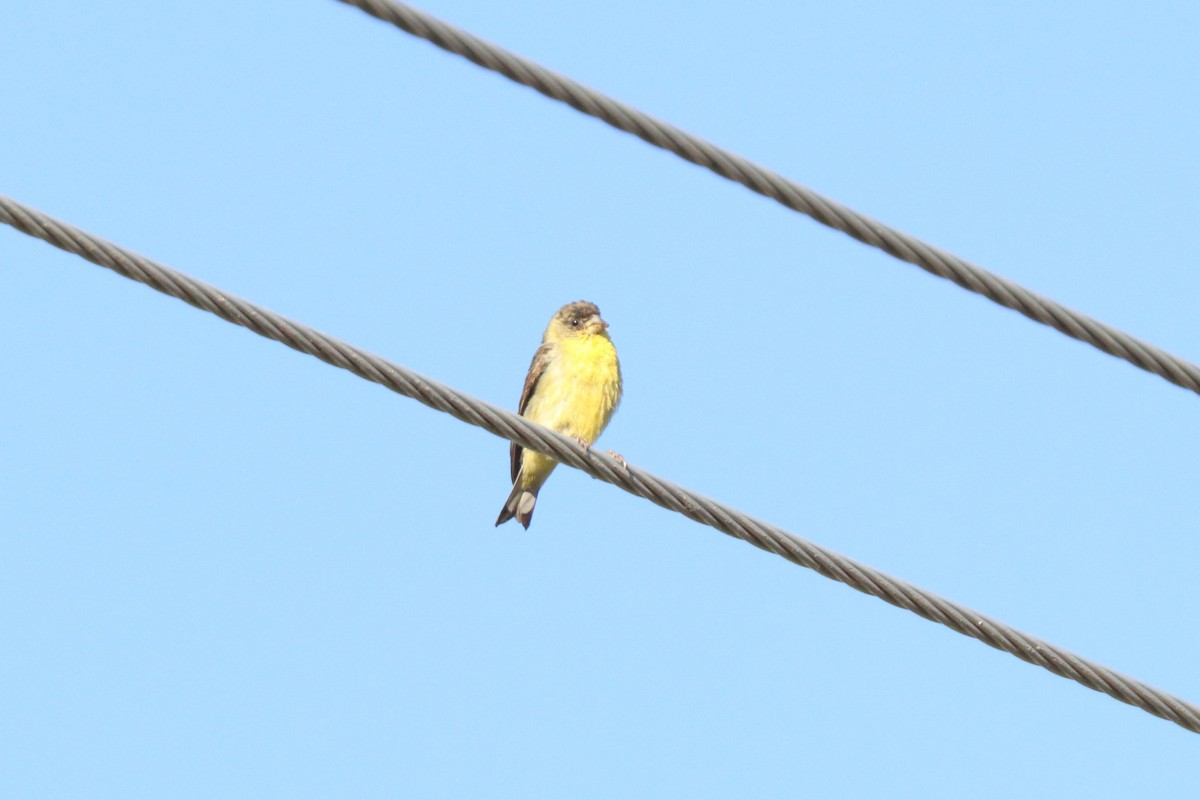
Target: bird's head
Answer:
[[580, 317]]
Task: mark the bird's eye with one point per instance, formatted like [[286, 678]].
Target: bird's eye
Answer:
[[575, 322]]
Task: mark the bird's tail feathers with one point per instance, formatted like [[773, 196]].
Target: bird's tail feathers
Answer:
[[520, 505]]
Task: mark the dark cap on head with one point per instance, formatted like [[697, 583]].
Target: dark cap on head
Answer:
[[580, 309]]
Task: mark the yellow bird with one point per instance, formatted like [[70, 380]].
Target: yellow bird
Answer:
[[573, 387]]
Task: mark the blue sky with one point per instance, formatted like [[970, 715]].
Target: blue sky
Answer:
[[230, 570]]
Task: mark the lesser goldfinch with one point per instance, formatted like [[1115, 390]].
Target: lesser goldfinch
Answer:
[[573, 387]]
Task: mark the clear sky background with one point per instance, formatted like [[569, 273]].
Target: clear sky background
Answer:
[[229, 570]]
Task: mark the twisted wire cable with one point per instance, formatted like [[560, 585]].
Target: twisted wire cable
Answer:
[[786, 192], [636, 481]]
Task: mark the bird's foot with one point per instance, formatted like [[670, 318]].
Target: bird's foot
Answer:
[[620, 459]]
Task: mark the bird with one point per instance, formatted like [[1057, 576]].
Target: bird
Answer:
[[573, 387]]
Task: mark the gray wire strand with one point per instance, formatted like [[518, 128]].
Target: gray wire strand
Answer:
[[636, 481], [788, 193]]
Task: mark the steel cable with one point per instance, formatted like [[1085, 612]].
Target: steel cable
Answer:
[[788, 193], [632, 479]]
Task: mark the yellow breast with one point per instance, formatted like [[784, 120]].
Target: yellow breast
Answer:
[[580, 389]]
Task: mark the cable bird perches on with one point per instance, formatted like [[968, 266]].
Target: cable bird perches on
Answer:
[[636, 481]]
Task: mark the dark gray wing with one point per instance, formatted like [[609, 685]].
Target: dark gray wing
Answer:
[[538, 366]]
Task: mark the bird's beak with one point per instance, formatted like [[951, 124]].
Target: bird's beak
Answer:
[[599, 322]]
